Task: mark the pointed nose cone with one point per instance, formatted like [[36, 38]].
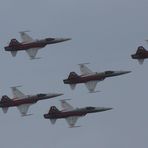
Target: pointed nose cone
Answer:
[[102, 109], [107, 108], [55, 94], [57, 40], [117, 73], [125, 72]]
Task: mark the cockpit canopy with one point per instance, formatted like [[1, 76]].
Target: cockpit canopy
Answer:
[[90, 108], [109, 72], [41, 95], [49, 39]]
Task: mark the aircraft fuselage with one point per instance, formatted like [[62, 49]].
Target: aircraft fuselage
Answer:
[[15, 45], [7, 102], [93, 77], [75, 112]]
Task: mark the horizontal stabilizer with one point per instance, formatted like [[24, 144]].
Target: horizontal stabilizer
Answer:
[[5, 109], [13, 53], [72, 86], [140, 61], [53, 121]]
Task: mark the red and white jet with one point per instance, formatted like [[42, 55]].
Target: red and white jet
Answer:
[[30, 45], [70, 113], [90, 78], [22, 101]]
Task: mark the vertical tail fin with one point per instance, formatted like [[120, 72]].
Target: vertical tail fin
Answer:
[[14, 42], [73, 75], [53, 110]]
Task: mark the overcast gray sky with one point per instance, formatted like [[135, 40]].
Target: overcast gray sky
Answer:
[[104, 33]]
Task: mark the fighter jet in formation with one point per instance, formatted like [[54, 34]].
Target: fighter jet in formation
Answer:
[[140, 54], [70, 114], [30, 45], [22, 101], [89, 78]]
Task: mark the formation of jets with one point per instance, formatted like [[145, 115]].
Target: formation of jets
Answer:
[[87, 76]]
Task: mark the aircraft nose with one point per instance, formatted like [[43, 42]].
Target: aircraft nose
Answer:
[[55, 94], [62, 39], [108, 108], [122, 72]]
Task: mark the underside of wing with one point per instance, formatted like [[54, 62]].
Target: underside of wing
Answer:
[[17, 93], [23, 109], [25, 37], [84, 69], [91, 85], [32, 52], [72, 120], [66, 106]]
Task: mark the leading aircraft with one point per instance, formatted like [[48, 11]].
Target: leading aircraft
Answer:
[[30, 45], [71, 114], [140, 54], [90, 78], [22, 101]]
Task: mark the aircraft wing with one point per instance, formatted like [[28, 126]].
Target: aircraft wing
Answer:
[[84, 69], [32, 52], [91, 85], [17, 93], [66, 106], [72, 120], [25, 37], [23, 109]]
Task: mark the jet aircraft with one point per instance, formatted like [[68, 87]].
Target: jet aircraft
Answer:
[[30, 45], [140, 54], [89, 78], [22, 101], [71, 114]]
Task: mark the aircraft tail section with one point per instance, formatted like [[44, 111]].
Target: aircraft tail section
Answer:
[[5, 109], [5, 99], [53, 121], [73, 75], [13, 53], [14, 42], [53, 110]]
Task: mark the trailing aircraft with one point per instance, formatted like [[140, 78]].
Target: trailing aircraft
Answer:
[[22, 101], [71, 114]]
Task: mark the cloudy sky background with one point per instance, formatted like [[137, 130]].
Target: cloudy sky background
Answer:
[[104, 33]]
